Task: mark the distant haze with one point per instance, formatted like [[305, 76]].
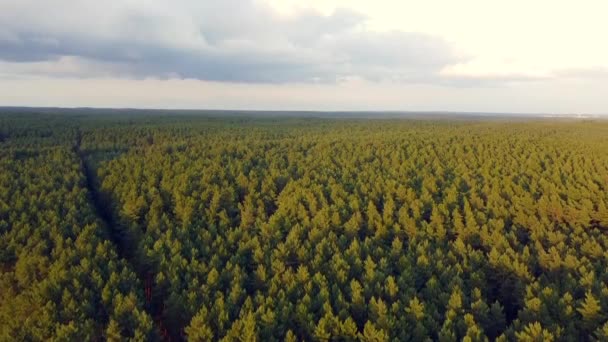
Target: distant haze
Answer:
[[472, 55]]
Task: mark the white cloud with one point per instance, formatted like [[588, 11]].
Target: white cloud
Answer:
[[517, 55], [528, 38]]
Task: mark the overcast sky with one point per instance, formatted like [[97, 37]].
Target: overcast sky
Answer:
[[547, 56]]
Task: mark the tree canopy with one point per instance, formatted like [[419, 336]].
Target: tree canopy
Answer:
[[270, 229]]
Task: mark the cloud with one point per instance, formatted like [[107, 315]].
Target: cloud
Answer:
[[596, 73], [226, 41], [63, 67]]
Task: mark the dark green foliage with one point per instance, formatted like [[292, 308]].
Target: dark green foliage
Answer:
[[300, 229]]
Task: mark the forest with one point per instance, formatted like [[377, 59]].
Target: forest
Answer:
[[178, 226]]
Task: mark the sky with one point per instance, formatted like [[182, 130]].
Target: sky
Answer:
[[542, 56]]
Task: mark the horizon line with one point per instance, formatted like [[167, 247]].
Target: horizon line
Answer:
[[320, 111]]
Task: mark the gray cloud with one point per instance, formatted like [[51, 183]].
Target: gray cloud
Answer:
[[229, 40]]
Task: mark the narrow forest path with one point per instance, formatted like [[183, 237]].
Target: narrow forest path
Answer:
[[102, 209], [125, 247]]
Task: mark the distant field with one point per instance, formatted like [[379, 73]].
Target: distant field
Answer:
[[159, 225]]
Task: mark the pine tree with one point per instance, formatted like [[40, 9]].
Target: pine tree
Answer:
[[534, 332], [373, 334], [590, 309]]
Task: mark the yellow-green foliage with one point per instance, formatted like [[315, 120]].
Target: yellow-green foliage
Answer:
[[303, 229]]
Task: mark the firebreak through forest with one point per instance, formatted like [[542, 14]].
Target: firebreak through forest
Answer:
[[178, 227]]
